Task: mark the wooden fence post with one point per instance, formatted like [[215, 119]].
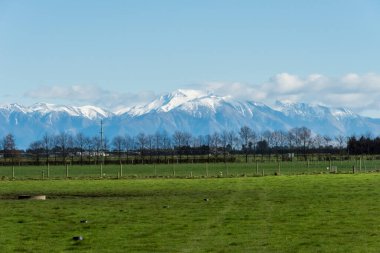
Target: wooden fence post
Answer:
[[257, 168]]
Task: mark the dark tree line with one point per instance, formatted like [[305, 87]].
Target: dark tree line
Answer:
[[183, 146], [363, 145]]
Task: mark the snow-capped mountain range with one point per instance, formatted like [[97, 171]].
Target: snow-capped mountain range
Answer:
[[193, 111]]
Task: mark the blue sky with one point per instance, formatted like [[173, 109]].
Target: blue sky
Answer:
[[129, 51]]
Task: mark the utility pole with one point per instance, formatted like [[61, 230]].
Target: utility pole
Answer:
[[101, 135], [101, 148]]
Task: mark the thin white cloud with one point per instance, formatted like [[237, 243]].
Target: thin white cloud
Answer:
[[75, 92], [285, 83], [89, 94]]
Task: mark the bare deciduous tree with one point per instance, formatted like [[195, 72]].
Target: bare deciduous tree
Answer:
[[246, 135], [141, 141], [80, 142], [9, 146], [118, 145]]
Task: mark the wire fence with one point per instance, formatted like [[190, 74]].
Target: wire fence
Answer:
[[190, 170]]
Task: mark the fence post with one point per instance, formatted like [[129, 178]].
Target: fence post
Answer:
[[13, 172], [257, 168], [48, 171], [67, 170]]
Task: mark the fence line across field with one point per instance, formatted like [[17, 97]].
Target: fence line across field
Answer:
[[189, 170]]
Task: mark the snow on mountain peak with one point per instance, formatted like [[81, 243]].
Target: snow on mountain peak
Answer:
[[168, 102], [90, 112], [14, 108], [303, 109], [93, 112], [190, 94], [181, 97], [342, 113], [42, 108]]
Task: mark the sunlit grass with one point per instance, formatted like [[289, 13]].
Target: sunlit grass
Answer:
[[309, 213]]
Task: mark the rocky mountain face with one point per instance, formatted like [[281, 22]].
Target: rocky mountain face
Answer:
[[192, 111]]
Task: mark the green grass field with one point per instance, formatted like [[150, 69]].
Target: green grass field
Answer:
[[308, 213], [189, 169]]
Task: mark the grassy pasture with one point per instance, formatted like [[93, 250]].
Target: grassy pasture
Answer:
[[308, 213], [189, 169]]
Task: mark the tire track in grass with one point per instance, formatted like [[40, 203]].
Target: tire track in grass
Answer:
[[195, 243]]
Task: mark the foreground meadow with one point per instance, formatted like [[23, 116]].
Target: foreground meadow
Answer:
[[308, 213]]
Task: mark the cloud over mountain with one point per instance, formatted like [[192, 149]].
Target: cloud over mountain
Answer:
[[358, 92], [89, 94]]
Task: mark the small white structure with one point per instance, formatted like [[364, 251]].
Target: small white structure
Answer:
[[290, 155]]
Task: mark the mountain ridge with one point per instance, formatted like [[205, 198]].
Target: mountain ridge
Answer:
[[193, 111]]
